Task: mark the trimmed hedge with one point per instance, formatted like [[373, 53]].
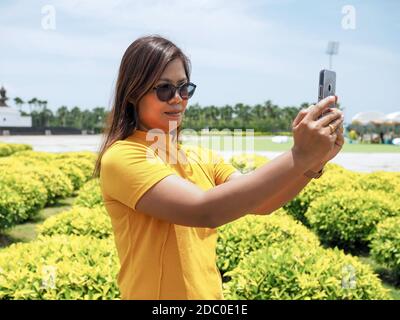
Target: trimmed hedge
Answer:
[[291, 270], [385, 244], [73, 171], [57, 184], [21, 198], [29, 180], [78, 221], [334, 178], [348, 219], [248, 162], [89, 195], [83, 160], [60, 267], [7, 149], [252, 232]]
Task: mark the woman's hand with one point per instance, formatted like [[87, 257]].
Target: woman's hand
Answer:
[[316, 141]]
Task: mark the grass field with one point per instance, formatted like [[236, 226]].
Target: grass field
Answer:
[[264, 143], [26, 232]]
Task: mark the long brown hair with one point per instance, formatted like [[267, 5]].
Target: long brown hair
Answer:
[[141, 66]]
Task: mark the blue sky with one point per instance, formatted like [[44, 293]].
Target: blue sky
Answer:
[[241, 51]]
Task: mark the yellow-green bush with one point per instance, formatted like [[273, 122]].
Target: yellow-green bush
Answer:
[[334, 178], [248, 162], [77, 166], [60, 267], [380, 180], [59, 174], [385, 244], [85, 160], [72, 170], [89, 195], [20, 198], [46, 157], [290, 270], [7, 149], [78, 221], [237, 239], [12, 207], [57, 184], [348, 219], [88, 155]]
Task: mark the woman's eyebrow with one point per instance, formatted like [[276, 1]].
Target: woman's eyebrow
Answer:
[[169, 80]]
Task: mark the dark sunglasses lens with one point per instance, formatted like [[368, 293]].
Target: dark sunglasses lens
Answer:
[[187, 90], [165, 92], [183, 92]]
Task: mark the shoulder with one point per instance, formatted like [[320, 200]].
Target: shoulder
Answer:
[[123, 152], [123, 147]]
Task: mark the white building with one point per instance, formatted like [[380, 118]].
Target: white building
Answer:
[[10, 117]]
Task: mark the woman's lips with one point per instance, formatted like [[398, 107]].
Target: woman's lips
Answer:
[[173, 114]]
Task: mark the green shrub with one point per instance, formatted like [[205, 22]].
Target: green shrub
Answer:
[[291, 270], [85, 160], [7, 149], [21, 198], [78, 221], [73, 171], [380, 180], [12, 207], [34, 156], [334, 178], [57, 184], [88, 155], [237, 239], [89, 195], [78, 166], [385, 244], [60, 267], [16, 147], [348, 219], [248, 162]]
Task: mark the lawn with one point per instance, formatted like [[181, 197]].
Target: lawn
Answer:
[[26, 232], [264, 143]]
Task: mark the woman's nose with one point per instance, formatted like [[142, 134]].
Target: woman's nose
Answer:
[[176, 98]]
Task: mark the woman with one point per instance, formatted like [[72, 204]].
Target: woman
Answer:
[[165, 202]]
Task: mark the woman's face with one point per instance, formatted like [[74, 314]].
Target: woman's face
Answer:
[[152, 111]]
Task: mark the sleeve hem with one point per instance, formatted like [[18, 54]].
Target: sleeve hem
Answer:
[[134, 199]]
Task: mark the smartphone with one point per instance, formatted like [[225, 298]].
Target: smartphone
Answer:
[[326, 86]]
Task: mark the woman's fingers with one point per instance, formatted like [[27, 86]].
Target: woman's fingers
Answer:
[[328, 118], [319, 108], [300, 116], [340, 138], [335, 124]]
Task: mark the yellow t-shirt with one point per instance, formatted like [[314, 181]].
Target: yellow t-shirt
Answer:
[[159, 259]]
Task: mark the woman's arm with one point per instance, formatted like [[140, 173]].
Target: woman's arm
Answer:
[[291, 190], [179, 201]]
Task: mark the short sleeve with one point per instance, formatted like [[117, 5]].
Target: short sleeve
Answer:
[[221, 168], [127, 172]]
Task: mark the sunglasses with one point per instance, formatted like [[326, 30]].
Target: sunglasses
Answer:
[[166, 92]]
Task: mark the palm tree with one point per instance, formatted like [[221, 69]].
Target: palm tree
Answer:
[[19, 102], [227, 113], [31, 102], [44, 103], [62, 114], [46, 115], [76, 115]]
